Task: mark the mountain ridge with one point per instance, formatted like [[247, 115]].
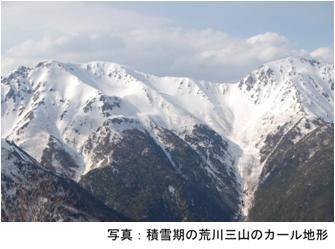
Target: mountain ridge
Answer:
[[32, 193]]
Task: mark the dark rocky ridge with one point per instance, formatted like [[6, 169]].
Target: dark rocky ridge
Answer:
[[57, 157], [29, 192], [145, 184], [297, 182]]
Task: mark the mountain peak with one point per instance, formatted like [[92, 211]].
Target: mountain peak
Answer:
[[294, 60], [306, 82]]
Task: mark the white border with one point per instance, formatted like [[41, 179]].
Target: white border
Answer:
[[94, 235]]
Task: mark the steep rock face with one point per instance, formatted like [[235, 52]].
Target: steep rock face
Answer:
[[297, 182], [29, 192], [58, 157], [147, 182]]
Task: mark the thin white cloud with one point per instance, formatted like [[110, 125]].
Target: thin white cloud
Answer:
[[152, 44], [323, 54], [268, 38]]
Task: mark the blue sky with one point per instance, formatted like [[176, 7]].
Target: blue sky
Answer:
[[204, 40], [308, 24]]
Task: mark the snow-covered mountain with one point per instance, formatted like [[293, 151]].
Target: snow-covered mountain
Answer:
[[97, 122]]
